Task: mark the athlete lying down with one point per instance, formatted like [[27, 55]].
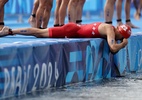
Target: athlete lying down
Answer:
[[72, 30]]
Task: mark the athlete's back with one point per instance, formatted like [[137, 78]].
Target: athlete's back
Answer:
[[89, 30]]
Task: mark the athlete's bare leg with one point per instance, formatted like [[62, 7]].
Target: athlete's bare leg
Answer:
[[42, 33], [2, 3], [72, 7], [140, 4], [32, 19], [119, 10], [136, 4], [62, 11], [79, 11], [56, 14], [138, 7], [109, 10], [46, 15], [127, 13], [69, 29], [39, 13]]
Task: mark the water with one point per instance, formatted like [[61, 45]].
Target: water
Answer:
[[123, 88]]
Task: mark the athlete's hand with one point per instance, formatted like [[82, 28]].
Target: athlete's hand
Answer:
[[125, 42]]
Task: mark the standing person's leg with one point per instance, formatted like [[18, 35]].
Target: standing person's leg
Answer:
[[47, 12], [2, 3], [140, 4], [32, 19], [109, 10], [39, 13], [119, 11], [138, 7], [62, 11], [79, 11], [56, 14], [127, 13], [72, 13]]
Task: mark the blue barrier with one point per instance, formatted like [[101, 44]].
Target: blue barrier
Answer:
[[38, 64]]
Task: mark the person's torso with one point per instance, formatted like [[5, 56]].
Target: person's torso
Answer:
[[89, 31]]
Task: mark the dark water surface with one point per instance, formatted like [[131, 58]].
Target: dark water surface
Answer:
[[122, 88]]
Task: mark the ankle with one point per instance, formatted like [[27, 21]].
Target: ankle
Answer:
[[128, 21], [1, 25], [78, 21], [108, 22]]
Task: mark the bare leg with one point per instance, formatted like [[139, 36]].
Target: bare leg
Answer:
[[58, 3], [109, 10], [136, 4], [32, 19], [72, 14], [62, 11], [2, 3], [119, 10], [39, 14], [140, 8], [79, 11], [46, 16], [140, 5], [127, 12], [43, 33]]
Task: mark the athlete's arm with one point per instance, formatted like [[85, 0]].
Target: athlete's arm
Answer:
[[114, 46]]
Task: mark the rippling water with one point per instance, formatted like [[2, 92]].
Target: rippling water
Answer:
[[124, 88]]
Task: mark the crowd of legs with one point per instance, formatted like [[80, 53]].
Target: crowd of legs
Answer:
[[73, 9]]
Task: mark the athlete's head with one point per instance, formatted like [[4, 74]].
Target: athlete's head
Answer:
[[124, 30]]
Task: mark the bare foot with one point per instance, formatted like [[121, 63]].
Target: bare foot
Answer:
[[32, 21], [4, 31], [137, 16], [131, 25]]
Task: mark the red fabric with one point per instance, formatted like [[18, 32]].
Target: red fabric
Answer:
[[72, 30], [89, 31], [56, 32], [69, 30]]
